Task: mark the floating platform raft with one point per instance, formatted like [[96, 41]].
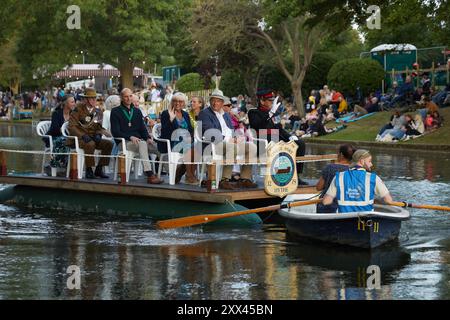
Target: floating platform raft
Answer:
[[162, 201]]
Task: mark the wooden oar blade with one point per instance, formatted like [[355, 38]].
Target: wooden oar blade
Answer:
[[206, 218], [185, 221]]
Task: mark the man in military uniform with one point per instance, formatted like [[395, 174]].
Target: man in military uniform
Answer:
[[263, 120], [85, 122]]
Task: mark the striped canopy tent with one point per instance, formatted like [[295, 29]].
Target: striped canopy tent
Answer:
[[93, 70]]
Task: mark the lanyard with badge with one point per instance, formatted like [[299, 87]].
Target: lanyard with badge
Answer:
[[128, 116]]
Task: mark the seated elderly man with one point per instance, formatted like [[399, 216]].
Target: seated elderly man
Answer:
[[215, 122], [85, 122], [127, 122]]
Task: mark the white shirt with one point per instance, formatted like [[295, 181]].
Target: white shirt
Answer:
[[155, 95], [226, 132]]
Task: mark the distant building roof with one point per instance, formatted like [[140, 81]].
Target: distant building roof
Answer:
[[93, 70], [394, 47]]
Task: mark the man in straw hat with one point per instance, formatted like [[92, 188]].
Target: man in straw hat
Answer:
[[86, 123], [217, 124], [356, 188]]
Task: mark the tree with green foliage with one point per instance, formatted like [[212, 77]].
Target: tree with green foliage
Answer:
[[10, 72], [232, 83], [349, 74], [405, 21], [190, 82], [125, 33], [289, 31], [217, 30]]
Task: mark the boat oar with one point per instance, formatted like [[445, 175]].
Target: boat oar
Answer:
[[420, 206], [206, 218]]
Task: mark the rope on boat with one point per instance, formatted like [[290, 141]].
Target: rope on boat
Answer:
[[209, 162]]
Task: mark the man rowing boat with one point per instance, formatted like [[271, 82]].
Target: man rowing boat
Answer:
[[356, 188]]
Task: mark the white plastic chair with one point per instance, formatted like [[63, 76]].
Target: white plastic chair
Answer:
[[260, 143], [131, 158], [172, 157], [77, 149], [198, 138], [42, 129]]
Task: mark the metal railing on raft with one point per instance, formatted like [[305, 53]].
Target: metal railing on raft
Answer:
[[121, 158]]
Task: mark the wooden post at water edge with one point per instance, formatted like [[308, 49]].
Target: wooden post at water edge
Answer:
[[73, 173], [212, 184], [121, 169], [3, 171]]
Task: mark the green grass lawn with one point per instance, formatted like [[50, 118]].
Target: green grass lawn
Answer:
[[368, 128]]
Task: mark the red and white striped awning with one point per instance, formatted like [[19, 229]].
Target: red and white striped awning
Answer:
[[93, 70]]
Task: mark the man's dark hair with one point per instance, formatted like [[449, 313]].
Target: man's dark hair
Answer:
[[347, 151]]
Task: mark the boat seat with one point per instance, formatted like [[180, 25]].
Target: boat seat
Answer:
[[42, 129]]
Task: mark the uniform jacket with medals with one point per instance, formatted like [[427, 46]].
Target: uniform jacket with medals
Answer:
[[83, 122]]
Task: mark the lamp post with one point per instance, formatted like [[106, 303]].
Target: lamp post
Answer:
[[216, 78], [82, 53]]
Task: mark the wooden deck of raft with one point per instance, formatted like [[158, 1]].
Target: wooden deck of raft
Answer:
[[141, 188]]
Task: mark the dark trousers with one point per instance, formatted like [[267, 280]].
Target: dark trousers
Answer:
[[104, 145], [301, 150]]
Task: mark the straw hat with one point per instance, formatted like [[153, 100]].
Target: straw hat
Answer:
[[89, 93], [217, 94]]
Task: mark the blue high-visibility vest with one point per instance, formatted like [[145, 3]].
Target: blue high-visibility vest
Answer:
[[355, 190]]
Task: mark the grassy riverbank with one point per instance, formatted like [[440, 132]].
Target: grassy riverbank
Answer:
[[365, 130]]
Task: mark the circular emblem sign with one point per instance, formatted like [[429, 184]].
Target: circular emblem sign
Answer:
[[282, 169]]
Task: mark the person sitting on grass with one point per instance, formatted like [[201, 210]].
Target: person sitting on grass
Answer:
[[415, 127], [370, 107], [406, 90], [396, 121], [433, 120]]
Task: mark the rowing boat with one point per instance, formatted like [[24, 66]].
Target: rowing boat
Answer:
[[359, 229]]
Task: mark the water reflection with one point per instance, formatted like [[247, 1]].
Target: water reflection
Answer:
[[343, 273]]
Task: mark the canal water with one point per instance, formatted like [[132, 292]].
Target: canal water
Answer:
[[126, 258]]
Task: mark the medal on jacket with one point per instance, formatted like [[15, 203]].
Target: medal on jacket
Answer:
[[128, 116]]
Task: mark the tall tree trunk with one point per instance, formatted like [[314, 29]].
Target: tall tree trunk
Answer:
[[296, 85], [126, 67], [298, 97], [251, 82], [15, 86]]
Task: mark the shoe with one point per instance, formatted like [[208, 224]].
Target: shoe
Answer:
[[99, 173], [246, 184], [227, 185], [181, 170], [89, 173], [193, 182], [154, 180], [302, 183]]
